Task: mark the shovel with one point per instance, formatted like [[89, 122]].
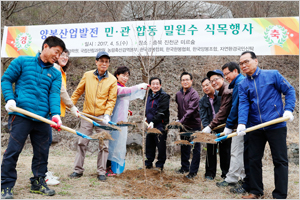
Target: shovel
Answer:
[[30, 114], [194, 133], [152, 130], [253, 128], [111, 127], [95, 123]]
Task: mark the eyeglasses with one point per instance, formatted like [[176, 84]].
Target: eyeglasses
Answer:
[[244, 62], [214, 80], [183, 80], [64, 55], [101, 61], [206, 85], [227, 73]]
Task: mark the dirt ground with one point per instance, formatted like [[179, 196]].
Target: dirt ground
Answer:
[[132, 184]]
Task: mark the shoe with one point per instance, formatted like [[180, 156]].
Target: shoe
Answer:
[[252, 196], [149, 167], [40, 187], [50, 179], [51, 175], [238, 190], [181, 171], [7, 193], [101, 178], [191, 175], [75, 175], [210, 178], [225, 184], [160, 169], [109, 173]]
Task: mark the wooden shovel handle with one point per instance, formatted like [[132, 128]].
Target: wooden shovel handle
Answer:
[[220, 126], [35, 116], [82, 117], [253, 128]]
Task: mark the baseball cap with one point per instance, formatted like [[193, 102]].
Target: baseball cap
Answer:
[[215, 72], [102, 53]]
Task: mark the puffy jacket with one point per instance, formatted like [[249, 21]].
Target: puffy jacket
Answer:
[[226, 103], [260, 98], [37, 89], [232, 118], [205, 109], [157, 109], [65, 99], [100, 96], [188, 103]]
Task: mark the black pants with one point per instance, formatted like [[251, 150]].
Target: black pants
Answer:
[[211, 158], [19, 128], [153, 141], [185, 155], [277, 141], [246, 181]]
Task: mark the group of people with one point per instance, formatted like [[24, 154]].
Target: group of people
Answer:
[[40, 87]]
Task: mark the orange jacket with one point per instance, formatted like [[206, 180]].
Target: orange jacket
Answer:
[[65, 99], [100, 96]]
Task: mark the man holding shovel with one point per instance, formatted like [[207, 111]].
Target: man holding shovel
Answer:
[[216, 78], [260, 101], [209, 106], [187, 100], [236, 171], [100, 89], [157, 114], [37, 89]]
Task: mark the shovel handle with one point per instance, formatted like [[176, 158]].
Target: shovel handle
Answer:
[[253, 128], [220, 126], [35, 116], [85, 118], [95, 118]]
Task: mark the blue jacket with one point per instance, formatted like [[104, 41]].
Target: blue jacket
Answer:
[[232, 118], [157, 109], [260, 98], [37, 89]]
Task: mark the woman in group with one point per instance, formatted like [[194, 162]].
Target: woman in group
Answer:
[[62, 64], [117, 147]]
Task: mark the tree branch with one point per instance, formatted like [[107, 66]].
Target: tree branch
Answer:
[[161, 60]]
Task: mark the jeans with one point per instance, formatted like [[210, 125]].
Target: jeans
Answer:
[[19, 129]]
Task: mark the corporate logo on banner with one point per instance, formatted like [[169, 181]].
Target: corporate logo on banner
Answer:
[[276, 35], [23, 41]]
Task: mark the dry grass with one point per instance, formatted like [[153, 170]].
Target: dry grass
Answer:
[[88, 187]]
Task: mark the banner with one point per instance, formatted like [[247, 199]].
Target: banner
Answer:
[[193, 37]]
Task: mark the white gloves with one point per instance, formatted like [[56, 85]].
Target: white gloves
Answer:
[[151, 125], [75, 111], [241, 130], [143, 86], [9, 103], [206, 130], [227, 131], [57, 120], [286, 113], [106, 119]]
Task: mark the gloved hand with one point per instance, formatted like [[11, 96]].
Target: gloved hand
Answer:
[[177, 120], [227, 131], [106, 119], [286, 113], [241, 130], [143, 86], [206, 130], [9, 103], [151, 125], [75, 111], [57, 120]]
